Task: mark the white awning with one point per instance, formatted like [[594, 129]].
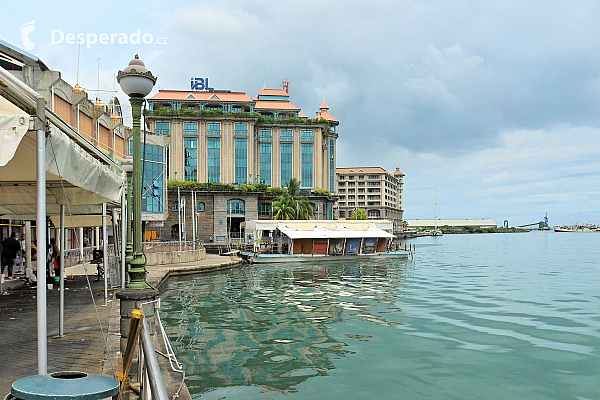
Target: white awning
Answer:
[[73, 176], [79, 221], [335, 234]]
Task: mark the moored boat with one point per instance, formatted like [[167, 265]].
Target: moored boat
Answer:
[[320, 240]]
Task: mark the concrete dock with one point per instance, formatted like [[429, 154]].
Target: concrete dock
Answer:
[[85, 326]]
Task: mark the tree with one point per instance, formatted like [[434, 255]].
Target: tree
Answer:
[[292, 204], [359, 213]]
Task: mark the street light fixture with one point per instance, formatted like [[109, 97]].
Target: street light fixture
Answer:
[[137, 82]]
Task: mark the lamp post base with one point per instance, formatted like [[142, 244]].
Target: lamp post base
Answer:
[[131, 299]]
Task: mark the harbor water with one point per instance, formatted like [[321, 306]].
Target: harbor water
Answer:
[[482, 316]]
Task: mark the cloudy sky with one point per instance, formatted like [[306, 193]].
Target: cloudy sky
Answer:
[[494, 105]]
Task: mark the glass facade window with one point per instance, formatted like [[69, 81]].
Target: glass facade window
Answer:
[[175, 206], [307, 165], [241, 161], [214, 159], [307, 136], [331, 165], [190, 158], [286, 163], [265, 134], [241, 129], [235, 206], [286, 135], [213, 129], [153, 179], [264, 210], [265, 163], [162, 128], [190, 129], [200, 206]]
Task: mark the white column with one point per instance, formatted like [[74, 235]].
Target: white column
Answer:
[[97, 238], [80, 243]]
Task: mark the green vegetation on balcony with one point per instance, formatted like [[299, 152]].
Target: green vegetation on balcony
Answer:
[[216, 186], [202, 113], [264, 120]]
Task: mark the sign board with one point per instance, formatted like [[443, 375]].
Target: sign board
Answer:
[[200, 84]]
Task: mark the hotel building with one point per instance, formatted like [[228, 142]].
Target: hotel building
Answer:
[[227, 137], [372, 189]]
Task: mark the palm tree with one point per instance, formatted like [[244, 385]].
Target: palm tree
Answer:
[[292, 204]]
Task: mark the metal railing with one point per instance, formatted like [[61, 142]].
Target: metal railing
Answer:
[[173, 245], [74, 257]]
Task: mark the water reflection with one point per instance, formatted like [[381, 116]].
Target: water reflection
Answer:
[[268, 325]]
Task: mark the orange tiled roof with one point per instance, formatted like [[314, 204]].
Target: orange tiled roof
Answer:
[[200, 95], [326, 115], [300, 115], [273, 92], [274, 105], [361, 170], [324, 106]]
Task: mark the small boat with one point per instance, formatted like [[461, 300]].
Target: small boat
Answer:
[[321, 240]]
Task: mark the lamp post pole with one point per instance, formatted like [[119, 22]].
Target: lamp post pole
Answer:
[[137, 270], [127, 166], [137, 82]]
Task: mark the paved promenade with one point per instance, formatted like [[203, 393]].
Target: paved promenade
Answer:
[[83, 347]]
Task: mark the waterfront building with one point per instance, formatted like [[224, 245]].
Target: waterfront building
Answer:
[[374, 190], [98, 123], [221, 215], [227, 137]]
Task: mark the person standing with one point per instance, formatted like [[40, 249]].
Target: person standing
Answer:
[[21, 264], [10, 248]]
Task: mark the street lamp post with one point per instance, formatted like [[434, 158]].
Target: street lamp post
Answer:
[[127, 166], [137, 82]]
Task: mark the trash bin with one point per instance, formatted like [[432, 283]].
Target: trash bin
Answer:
[[65, 385]]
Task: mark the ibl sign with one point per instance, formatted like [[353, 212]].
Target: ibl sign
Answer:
[[200, 84]]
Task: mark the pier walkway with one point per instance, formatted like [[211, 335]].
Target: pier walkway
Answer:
[[83, 347]]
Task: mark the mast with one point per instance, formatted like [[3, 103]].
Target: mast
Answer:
[[436, 217]]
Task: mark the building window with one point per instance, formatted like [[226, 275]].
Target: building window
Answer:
[[286, 135], [175, 206], [286, 163], [342, 214], [190, 161], [307, 136], [214, 159], [190, 129], [265, 135], [241, 129], [201, 206], [153, 179], [162, 128], [214, 129], [265, 163], [235, 206], [241, 161], [307, 165], [264, 210]]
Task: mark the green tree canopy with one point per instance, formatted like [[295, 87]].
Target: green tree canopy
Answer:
[[292, 204], [359, 213]]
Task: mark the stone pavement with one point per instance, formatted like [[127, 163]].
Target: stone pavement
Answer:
[[83, 346]]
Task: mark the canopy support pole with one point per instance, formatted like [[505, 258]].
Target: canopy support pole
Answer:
[[61, 315], [105, 253], [42, 328]]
